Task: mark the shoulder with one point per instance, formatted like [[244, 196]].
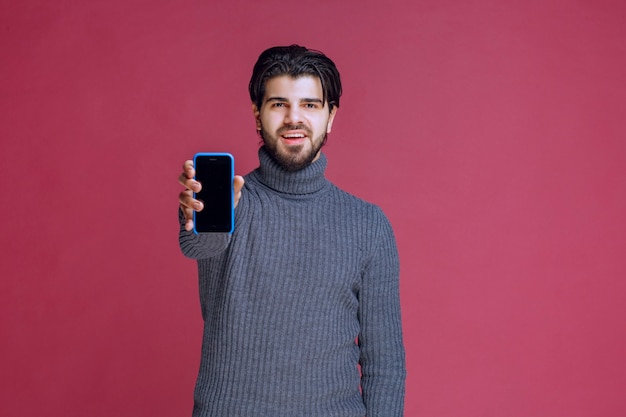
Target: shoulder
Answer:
[[357, 203], [374, 230], [370, 216]]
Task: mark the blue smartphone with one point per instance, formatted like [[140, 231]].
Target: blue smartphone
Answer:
[[215, 171]]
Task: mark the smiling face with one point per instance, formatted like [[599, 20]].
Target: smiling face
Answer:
[[294, 120]]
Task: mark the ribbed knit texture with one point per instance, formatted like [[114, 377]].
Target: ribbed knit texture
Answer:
[[308, 271]]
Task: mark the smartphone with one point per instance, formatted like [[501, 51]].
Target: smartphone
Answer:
[[215, 172]]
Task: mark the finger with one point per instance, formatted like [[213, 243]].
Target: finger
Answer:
[[187, 205], [187, 202], [188, 213], [188, 169], [238, 183], [237, 187], [189, 183], [185, 198], [189, 225]]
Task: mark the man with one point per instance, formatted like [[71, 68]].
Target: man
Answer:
[[306, 287]]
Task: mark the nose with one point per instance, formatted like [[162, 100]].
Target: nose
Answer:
[[293, 115]]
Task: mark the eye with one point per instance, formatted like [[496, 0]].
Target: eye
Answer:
[[278, 104], [311, 105]]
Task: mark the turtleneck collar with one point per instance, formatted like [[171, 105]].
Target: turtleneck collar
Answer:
[[305, 181]]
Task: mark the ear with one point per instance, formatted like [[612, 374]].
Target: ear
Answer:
[[333, 112], [257, 116]]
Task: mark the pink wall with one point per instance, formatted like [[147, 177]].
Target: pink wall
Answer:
[[491, 132]]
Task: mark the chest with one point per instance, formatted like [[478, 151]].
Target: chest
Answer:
[[316, 246]]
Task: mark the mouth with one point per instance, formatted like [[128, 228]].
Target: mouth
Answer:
[[293, 137]]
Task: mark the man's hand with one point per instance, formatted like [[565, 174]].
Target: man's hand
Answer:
[[187, 203]]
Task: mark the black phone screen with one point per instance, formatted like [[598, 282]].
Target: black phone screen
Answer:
[[215, 173]]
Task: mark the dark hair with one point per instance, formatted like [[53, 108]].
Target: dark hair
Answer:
[[295, 61]]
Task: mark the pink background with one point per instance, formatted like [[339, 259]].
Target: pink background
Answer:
[[491, 132]]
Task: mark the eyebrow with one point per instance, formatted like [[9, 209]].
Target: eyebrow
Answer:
[[304, 100]]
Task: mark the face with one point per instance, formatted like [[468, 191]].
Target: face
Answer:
[[293, 120]]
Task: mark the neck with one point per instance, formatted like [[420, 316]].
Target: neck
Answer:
[[307, 180]]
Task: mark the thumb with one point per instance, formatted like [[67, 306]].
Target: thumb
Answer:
[[237, 186]]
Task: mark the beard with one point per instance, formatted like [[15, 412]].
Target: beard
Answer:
[[294, 158]]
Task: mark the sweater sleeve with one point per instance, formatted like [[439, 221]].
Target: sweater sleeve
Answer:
[[382, 351], [200, 246]]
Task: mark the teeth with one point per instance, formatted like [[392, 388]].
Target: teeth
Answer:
[[299, 135]]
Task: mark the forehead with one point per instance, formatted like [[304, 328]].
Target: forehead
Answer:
[[285, 86]]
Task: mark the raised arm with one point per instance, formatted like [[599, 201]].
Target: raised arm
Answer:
[[198, 246]]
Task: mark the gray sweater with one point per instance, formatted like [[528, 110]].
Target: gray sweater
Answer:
[[304, 290]]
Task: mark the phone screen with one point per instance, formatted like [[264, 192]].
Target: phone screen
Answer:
[[215, 173]]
